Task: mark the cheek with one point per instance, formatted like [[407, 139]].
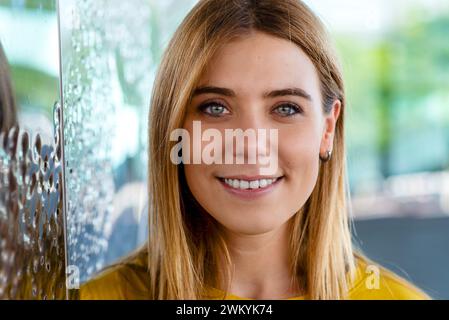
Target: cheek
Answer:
[[299, 157], [298, 149], [201, 184], [199, 176], [193, 177]]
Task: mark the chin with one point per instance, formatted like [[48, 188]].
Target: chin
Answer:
[[253, 225]]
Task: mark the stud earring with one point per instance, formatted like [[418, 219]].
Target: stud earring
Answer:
[[327, 157]]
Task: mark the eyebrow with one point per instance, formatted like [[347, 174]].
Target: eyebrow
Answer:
[[271, 94]]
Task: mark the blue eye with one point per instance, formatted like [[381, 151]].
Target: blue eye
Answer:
[[214, 109], [287, 110]]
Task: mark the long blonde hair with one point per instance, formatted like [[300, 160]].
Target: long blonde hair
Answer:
[[185, 249]]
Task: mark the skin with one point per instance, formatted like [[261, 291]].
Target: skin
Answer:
[[256, 229]]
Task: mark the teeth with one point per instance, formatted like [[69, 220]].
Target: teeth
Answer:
[[244, 184], [254, 184]]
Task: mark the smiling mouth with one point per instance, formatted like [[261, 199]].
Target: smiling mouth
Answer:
[[250, 184]]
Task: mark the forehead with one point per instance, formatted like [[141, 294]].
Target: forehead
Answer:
[[258, 62]]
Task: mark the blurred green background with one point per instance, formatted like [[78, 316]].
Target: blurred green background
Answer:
[[398, 93]]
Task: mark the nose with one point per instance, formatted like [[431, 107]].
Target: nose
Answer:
[[250, 136]]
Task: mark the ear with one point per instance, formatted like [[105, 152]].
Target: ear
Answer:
[[330, 123]]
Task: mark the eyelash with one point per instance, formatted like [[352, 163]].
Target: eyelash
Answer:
[[297, 109], [206, 105]]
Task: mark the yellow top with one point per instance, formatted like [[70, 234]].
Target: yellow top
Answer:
[[128, 282]]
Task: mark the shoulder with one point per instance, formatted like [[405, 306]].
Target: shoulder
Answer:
[[127, 280], [374, 282]]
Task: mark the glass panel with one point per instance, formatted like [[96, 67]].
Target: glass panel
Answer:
[[32, 254], [110, 50]]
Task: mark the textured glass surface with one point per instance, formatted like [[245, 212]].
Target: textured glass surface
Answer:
[[32, 253], [32, 259], [106, 78], [110, 52]]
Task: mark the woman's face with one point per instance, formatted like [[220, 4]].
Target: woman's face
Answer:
[[255, 72]]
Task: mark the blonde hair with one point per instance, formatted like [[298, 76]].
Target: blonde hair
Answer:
[[185, 249]]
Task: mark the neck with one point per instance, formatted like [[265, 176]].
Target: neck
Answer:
[[261, 264]]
